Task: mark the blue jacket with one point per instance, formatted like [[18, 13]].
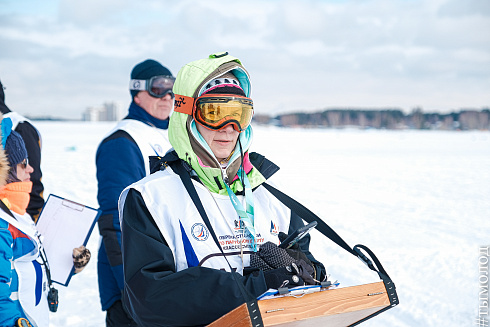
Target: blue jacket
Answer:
[[119, 163], [13, 245]]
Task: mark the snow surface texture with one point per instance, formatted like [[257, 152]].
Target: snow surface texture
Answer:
[[418, 199]]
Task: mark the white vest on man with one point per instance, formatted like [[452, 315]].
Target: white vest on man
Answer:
[[185, 231], [151, 141]]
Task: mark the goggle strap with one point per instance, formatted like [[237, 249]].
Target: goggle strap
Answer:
[[137, 84], [184, 104]]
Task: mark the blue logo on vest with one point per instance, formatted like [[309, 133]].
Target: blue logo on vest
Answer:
[[274, 230], [158, 149], [239, 225], [199, 232]]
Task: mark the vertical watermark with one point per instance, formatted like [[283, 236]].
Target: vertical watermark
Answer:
[[483, 257]]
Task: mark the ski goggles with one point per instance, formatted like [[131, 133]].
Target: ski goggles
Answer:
[[215, 111], [157, 86]]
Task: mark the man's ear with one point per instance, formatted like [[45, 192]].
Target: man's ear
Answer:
[[136, 99]]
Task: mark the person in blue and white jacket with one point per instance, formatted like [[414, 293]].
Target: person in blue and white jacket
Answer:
[[123, 158], [24, 282]]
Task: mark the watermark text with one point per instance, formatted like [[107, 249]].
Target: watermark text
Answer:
[[483, 258]]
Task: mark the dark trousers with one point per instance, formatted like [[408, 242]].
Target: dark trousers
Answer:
[[118, 317]]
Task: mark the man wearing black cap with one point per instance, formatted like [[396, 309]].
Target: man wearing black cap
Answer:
[[32, 140], [122, 159]]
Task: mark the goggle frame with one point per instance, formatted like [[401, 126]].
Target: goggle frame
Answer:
[[147, 85], [188, 105]]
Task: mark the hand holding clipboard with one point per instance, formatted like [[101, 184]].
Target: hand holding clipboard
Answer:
[[64, 225]]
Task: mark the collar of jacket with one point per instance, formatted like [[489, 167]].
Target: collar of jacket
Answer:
[[16, 196], [138, 113], [264, 166]]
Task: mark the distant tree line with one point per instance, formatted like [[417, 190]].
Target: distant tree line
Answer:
[[383, 119]]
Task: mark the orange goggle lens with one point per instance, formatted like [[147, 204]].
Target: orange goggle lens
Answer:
[[218, 110]]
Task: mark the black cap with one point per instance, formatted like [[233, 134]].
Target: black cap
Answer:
[[146, 70]]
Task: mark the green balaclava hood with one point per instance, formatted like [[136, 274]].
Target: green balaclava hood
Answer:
[[186, 140]]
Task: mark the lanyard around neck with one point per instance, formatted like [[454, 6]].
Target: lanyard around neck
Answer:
[[246, 216]]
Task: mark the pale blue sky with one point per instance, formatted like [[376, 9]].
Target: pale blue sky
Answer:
[[58, 57]]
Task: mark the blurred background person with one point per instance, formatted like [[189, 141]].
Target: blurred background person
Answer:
[[33, 143], [123, 158]]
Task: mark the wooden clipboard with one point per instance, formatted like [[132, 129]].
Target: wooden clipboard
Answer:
[[338, 307]]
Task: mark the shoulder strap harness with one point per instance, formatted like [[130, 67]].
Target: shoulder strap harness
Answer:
[[267, 168]]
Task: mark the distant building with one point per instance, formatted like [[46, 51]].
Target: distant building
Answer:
[[109, 111]]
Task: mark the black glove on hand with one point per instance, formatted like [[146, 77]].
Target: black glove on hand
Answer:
[[296, 253], [287, 276], [281, 268], [270, 257]]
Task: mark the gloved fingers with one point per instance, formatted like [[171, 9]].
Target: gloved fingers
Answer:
[[257, 262], [81, 257], [274, 256], [306, 267], [282, 236], [283, 277], [321, 272], [271, 258], [297, 254], [306, 272]]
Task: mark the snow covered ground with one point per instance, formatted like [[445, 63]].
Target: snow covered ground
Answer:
[[419, 199]]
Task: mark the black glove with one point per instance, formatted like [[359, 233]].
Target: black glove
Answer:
[[272, 258], [296, 253], [287, 276]]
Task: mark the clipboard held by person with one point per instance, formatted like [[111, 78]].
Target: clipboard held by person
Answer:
[[64, 225]]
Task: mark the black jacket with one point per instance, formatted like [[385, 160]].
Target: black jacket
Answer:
[[156, 295]]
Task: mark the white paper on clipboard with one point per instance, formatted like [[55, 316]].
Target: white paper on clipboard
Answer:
[[64, 225]]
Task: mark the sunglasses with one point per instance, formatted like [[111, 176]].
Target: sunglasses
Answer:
[[157, 86], [24, 163]]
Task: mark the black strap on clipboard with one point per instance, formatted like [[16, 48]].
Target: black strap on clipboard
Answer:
[[182, 169], [373, 263]]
